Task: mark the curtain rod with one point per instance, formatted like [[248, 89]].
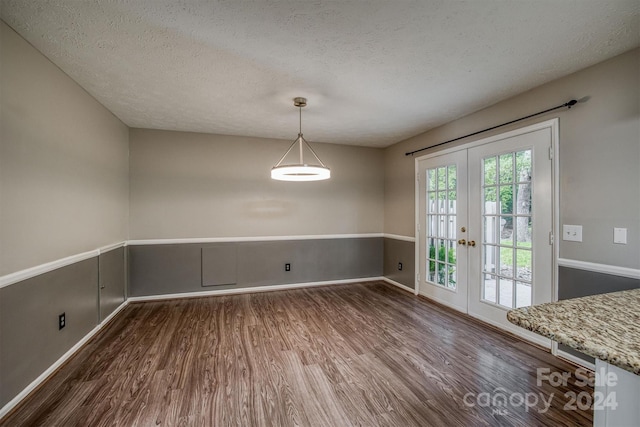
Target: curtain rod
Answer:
[[566, 104]]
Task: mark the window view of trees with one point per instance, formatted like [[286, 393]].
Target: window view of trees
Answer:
[[504, 194]]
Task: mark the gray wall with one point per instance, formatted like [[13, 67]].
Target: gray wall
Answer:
[[30, 341], [199, 185], [112, 274], [63, 163], [178, 268], [599, 157], [581, 283], [400, 251]]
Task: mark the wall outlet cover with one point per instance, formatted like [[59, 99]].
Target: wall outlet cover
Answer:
[[572, 233], [620, 236]]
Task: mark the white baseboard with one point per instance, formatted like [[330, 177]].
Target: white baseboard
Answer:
[[398, 284], [53, 368], [249, 290]]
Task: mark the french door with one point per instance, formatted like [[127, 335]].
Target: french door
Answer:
[[443, 214], [485, 218]]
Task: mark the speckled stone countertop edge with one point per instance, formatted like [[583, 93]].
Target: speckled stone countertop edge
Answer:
[[590, 314]]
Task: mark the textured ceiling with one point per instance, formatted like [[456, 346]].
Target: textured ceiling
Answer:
[[375, 72]]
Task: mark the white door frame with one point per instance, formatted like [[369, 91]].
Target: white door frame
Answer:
[[553, 125]]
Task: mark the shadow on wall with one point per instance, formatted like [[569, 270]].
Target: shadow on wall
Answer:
[[263, 209]]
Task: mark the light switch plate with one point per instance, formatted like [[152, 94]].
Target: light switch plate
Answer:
[[572, 233], [620, 235]]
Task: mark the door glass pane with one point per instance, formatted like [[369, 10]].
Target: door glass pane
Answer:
[[523, 264], [451, 177], [431, 179], [506, 199], [490, 197], [506, 168], [523, 166], [442, 226], [523, 231], [523, 294], [452, 277], [452, 227], [489, 167], [507, 237], [451, 252], [432, 225], [505, 292], [442, 178], [431, 202], [506, 262], [442, 253], [442, 201], [489, 258], [490, 229], [489, 289], [440, 274], [505, 230], [452, 201]]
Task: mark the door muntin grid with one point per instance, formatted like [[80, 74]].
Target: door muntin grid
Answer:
[[441, 250], [507, 229]]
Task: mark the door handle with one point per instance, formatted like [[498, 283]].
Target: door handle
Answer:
[[471, 243], [462, 242]]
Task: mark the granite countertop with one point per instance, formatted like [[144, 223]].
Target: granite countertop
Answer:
[[605, 326]]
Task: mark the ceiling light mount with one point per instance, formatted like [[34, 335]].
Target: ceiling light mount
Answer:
[[300, 171]]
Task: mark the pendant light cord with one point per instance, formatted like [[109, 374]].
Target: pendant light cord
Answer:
[[300, 136]]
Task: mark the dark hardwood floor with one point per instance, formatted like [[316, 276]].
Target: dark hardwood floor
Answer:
[[363, 354]]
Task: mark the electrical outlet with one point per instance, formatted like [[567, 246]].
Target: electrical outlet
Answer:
[[400, 266], [287, 267], [62, 321]]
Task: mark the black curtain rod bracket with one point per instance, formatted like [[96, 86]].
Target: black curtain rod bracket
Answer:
[[566, 104]]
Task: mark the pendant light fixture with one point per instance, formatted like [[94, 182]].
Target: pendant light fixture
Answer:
[[300, 171]]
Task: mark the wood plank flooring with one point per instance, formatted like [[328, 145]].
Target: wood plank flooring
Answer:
[[346, 355]]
